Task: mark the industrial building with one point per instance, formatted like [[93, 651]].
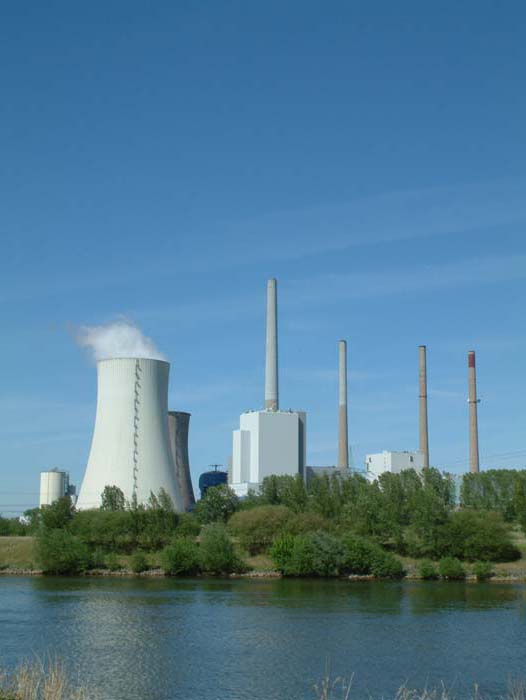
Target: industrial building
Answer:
[[54, 484], [269, 441], [394, 462], [133, 445]]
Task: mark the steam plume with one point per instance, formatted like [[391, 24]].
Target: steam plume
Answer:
[[117, 339]]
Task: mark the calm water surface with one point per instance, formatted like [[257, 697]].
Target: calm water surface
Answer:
[[161, 639]]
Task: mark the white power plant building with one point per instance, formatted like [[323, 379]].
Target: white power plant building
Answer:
[[131, 441], [394, 462], [54, 484], [268, 441]]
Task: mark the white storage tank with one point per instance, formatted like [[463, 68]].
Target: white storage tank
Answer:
[[53, 485]]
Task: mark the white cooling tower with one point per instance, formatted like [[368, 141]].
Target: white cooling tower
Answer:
[[131, 444]]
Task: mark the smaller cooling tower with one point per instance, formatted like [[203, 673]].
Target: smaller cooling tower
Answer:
[[178, 424], [131, 443]]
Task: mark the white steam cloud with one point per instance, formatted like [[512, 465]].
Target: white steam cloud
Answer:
[[118, 339]]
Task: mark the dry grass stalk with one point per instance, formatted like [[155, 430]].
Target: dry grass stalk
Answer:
[[40, 681]]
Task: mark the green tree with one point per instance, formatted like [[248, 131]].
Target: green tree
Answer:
[[257, 528], [58, 515], [112, 499], [217, 505], [216, 552], [181, 557], [60, 552]]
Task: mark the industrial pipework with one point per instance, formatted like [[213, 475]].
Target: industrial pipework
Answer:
[[422, 376], [473, 422], [271, 352], [343, 439]]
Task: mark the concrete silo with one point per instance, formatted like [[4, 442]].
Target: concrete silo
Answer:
[[53, 485], [131, 443]]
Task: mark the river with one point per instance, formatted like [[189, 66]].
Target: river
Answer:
[[238, 639]]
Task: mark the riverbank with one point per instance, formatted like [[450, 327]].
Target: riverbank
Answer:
[[17, 559]]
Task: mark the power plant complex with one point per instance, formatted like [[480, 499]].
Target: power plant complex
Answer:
[[141, 447]]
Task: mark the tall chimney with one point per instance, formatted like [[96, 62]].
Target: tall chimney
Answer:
[[422, 376], [473, 425], [343, 445], [271, 355]]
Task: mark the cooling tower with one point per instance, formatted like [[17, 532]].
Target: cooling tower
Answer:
[[131, 443], [178, 424]]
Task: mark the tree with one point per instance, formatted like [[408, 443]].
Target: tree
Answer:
[[181, 557], [112, 499], [58, 515], [257, 527], [217, 505], [216, 552], [60, 552]]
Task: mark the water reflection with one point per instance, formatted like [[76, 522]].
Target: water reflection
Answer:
[[137, 638]]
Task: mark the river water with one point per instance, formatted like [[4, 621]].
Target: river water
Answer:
[[215, 639]]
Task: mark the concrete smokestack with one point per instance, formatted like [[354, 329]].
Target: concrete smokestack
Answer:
[[178, 424], [343, 444], [422, 377], [473, 424], [271, 354]]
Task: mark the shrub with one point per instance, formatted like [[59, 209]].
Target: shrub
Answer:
[[258, 527], [427, 570], [328, 554], [188, 526], [216, 552], [112, 562], [180, 558], [112, 531], [358, 555], [58, 515], [386, 565], [301, 559], [281, 552], [60, 552], [483, 570], [300, 523], [138, 562], [451, 568], [474, 535]]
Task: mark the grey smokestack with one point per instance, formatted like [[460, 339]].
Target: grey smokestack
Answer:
[[343, 445], [422, 377], [473, 423], [271, 354], [178, 424]]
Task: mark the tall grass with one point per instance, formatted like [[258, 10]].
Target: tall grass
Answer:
[[38, 680], [340, 689]]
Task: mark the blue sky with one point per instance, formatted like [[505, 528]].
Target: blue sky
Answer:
[[161, 161]]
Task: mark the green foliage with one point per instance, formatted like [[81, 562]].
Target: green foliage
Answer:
[[58, 515], [216, 552], [98, 559], [427, 570], [217, 505], [258, 527], [495, 489], [473, 535], [362, 556], [155, 523], [60, 552], [138, 562], [112, 562], [300, 523], [281, 551], [13, 527], [322, 554], [188, 525], [112, 531], [451, 569], [181, 557], [483, 570], [112, 499], [289, 491]]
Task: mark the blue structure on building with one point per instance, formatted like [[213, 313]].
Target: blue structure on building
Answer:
[[212, 478]]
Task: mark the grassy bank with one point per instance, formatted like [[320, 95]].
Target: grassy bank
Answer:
[[17, 555]]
